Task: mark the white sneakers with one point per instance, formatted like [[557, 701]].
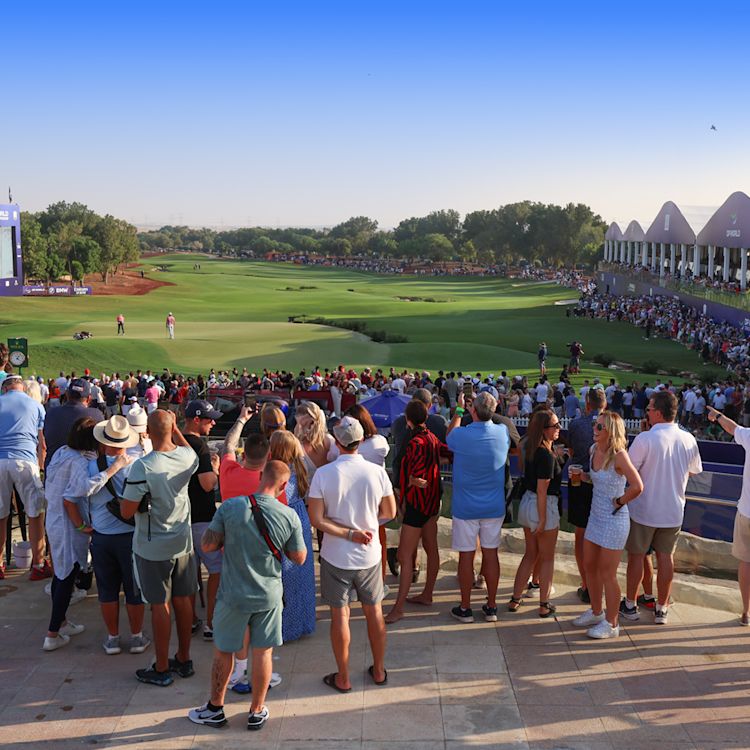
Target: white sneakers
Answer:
[[603, 630], [587, 619], [63, 636], [52, 644], [71, 628], [78, 595]]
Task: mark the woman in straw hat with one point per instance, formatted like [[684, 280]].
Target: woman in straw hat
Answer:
[[112, 538]]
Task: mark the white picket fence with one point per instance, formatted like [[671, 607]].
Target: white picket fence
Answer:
[[632, 426]]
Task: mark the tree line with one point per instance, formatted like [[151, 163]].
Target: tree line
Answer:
[[69, 239], [547, 233]]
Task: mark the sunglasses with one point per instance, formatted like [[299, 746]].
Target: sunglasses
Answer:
[[599, 427], [553, 426]]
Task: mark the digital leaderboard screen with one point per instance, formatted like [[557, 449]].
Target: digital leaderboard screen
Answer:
[[7, 252]]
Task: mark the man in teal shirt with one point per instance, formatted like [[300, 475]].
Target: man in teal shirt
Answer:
[[250, 592], [163, 559]]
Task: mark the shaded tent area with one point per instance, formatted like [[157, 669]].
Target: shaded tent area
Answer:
[[670, 246]]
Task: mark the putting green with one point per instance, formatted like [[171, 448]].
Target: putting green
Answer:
[[233, 313]]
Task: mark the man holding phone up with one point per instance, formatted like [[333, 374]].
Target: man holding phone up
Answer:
[[163, 558]]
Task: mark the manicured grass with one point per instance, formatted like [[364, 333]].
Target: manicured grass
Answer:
[[235, 314]]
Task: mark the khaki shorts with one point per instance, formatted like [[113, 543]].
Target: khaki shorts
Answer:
[[160, 580], [336, 583], [741, 538], [642, 537], [24, 476]]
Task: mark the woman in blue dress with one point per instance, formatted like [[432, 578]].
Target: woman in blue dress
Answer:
[[299, 580], [609, 523]]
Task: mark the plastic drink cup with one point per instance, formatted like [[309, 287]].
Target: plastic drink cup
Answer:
[[574, 472]]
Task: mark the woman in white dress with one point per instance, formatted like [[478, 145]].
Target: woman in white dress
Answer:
[[312, 432], [609, 523]]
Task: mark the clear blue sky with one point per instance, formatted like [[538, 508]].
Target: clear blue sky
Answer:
[[308, 113]]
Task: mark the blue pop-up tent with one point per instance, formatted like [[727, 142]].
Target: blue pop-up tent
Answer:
[[385, 407]]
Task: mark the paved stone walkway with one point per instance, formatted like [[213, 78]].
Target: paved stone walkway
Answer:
[[521, 683]]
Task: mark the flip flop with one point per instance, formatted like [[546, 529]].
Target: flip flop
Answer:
[[371, 672], [330, 680]]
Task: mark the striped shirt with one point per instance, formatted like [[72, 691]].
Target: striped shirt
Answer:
[[422, 460]]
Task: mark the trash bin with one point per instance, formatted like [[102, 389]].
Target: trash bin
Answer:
[[22, 554]]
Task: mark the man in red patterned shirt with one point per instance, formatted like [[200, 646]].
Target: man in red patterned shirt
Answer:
[[420, 501]]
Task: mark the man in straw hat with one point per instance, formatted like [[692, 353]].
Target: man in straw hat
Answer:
[[138, 420], [112, 539]]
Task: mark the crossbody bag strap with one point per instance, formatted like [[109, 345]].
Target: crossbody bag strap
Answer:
[[260, 522], [102, 465]]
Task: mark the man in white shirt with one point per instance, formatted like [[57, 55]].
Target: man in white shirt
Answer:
[[688, 406], [610, 391], [347, 500], [584, 390], [542, 391], [741, 535], [665, 457], [720, 400], [398, 384]]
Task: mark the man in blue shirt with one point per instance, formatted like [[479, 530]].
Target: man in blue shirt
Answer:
[[479, 453], [572, 404], [21, 456]]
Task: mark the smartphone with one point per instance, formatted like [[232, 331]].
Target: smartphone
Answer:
[[250, 401], [468, 389]]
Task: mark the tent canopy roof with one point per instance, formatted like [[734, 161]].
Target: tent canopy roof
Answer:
[[730, 225], [613, 232], [670, 226], [634, 232]]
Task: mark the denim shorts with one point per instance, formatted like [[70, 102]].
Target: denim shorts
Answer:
[[113, 567]]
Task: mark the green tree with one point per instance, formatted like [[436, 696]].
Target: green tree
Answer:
[[358, 230], [383, 244], [118, 242], [437, 247], [62, 236], [76, 270], [55, 268], [87, 253], [336, 246], [35, 247]]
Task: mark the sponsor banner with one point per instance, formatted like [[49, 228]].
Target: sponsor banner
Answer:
[[35, 289], [56, 290]]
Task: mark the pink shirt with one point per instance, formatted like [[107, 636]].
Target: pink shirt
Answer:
[[152, 395]]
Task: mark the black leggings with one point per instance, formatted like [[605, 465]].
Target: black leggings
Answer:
[[62, 590]]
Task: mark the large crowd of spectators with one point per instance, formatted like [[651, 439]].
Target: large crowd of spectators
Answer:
[[687, 280], [717, 342]]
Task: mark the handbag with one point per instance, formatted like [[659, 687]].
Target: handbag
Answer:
[[85, 578], [516, 493]]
